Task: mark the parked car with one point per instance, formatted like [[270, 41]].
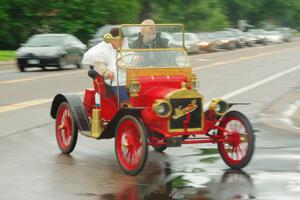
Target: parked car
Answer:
[[251, 39], [207, 42], [55, 50], [273, 37], [224, 40], [170, 37], [239, 35], [286, 33], [98, 37], [260, 35], [191, 41]]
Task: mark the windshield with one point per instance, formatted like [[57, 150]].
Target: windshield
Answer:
[[152, 46], [157, 36], [47, 41], [155, 58]]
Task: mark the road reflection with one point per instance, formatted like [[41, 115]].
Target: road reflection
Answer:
[[163, 184]]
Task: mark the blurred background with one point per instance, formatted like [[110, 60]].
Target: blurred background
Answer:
[[20, 19], [241, 50]]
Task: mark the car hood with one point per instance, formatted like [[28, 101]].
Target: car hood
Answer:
[[39, 51]]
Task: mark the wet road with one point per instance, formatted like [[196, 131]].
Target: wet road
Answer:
[[31, 166]]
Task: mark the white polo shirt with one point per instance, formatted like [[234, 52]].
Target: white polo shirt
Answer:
[[105, 53]]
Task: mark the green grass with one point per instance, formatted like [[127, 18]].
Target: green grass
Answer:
[[7, 55]]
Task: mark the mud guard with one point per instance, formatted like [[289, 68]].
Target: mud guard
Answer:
[[77, 109], [109, 132]]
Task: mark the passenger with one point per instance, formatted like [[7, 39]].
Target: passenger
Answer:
[[103, 56], [149, 37]]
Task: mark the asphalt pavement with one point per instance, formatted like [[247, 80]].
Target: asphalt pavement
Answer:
[[267, 77]]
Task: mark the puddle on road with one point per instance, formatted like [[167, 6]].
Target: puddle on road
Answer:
[[188, 181]]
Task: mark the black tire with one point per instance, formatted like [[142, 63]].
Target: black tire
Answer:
[[143, 136], [78, 65], [66, 149], [21, 68], [160, 148], [237, 164], [62, 62]]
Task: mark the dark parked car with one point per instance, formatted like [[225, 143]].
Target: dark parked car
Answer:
[[55, 50]]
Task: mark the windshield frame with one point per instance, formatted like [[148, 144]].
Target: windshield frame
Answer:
[[122, 26]]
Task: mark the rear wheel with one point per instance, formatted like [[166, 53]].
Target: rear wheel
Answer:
[[238, 152], [66, 130], [131, 145]]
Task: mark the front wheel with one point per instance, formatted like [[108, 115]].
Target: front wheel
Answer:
[[131, 145], [238, 150], [21, 68], [66, 129], [62, 62]]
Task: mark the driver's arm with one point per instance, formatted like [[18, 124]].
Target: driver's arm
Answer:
[[103, 70]]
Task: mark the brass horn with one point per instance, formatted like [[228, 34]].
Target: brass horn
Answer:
[[108, 38]]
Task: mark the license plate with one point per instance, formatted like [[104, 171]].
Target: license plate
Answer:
[[33, 61]]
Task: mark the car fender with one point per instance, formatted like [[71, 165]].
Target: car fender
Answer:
[[109, 132], [78, 111]]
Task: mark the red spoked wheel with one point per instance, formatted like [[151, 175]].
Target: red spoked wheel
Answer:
[[131, 145], [238, 151], [66, 130]]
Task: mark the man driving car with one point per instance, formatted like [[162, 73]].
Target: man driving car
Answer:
[[103, 56]]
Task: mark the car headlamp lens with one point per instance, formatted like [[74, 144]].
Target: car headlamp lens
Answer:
[[162, 108]]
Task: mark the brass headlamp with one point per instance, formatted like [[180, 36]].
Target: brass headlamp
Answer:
[[162, 108], [194, 82], [219, 106], [108, 38], [134, 87]]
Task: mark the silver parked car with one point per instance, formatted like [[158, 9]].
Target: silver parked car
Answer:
[[260, 35], [273, 37], [239, 35], [225, 40], [191, 41], [286, 33]]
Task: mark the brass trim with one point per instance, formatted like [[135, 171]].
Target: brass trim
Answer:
[[154, 49], [213, 105], [193, 81], [166, 24], [184, 94], [133, 82], [96, 123], [153, 71], [155, 105], [126, 104], [179, 112]]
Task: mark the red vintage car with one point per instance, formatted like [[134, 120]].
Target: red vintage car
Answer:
[[165, 108]]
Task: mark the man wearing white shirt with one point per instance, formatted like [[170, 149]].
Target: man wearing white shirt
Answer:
[[103, 56]]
